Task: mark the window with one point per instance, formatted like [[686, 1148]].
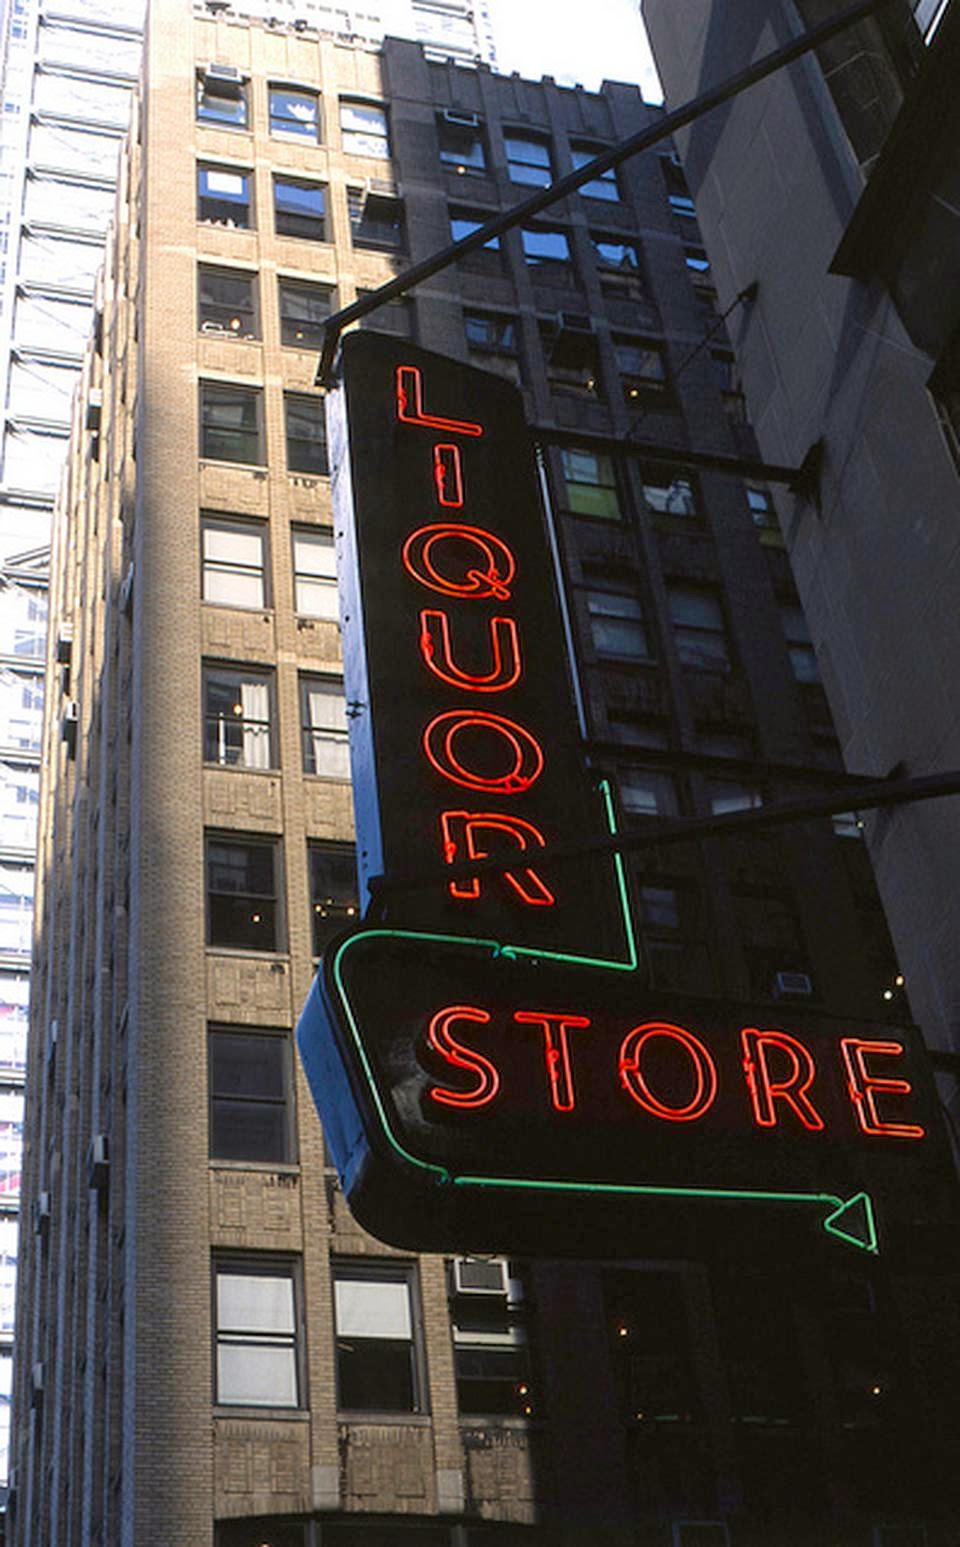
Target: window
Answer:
[[363, 130], [306, 434], [668, 492], [299, 209], [376, 219], [237, 718], [294, 113], [376, 1357], [303, 311], [465, 222], [528, 159], [333, 890], [648, 792], [323, 712], [256, 1321], [314, 575], [617, 626], [254, 1533], [650, 1347], [678, 194], [604, 185], [727, 795], [803, 660], [224, 196], [570, 347], [673, 936], [233, 562], [461, 147], [251, 1096], [699, 628], [590, 484], [490, 332], [222, 98], [491, 1354], [547, 250], [242, 909], [643, 370], [231, 423], [227, 303], [770, 935], [696, 260], [614, 253], [682, 204], [760, 506]]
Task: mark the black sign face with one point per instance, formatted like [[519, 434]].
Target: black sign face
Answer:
[[463, 733], [483, 1091]]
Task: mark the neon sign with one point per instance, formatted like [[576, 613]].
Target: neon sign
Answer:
[[492, 1070]]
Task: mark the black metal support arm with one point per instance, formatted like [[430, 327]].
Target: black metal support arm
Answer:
[[661, 129], [655, 835]]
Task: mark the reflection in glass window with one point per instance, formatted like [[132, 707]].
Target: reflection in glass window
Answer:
[[32, 459], [700, 628], [74, 150], [294, 113], [590, 483], [616, 625], [648, 792], [363, 129], [60, 326], [461, 147], [463, 224], [16, 908], [545, 247], [604, 185], [528, 160], [90, 50], [23, 623], [251, 1096], [6, 1382], [19, 800], [612, 253], [66, 96], [11, 1140], [41, 391], [304, 310], [221, 101], [49, 201], [299, 209], [21, 710], [8, 1273], [669, 493], [15, 998], [49, 259], [224, 197]]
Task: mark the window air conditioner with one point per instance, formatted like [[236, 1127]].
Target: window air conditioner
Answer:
[[98, 1162], [792, 985], [380, 190], [225, 74], [481, 1276], [71, 713], [460, 119]]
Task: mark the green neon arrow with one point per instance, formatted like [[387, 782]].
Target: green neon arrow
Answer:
[[851, 1220]]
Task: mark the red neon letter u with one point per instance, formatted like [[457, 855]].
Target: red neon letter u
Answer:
[[504, 649], [765, 1090], [526, 883]]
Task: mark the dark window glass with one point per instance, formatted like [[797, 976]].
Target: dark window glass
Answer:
[[306, 434], [604, 185], [221, 101], [392, 317], [303, 311], [375, 220], [528, 159], [242, 893], [699, 628], [643, 369], [771, 937], [294, 113], [617, 626], [648, 792], [299, 209], [224, 196], [236, 718], [254, 1533], [570, 347], [490, 332], [233, 569], [376, 1355], [250, 1096], [491, 1354], [650, 1348], [227, 303], [230, 423], [671, 920], [803, 660], [696, 260], [333, 890], [461, 147], [256, 1325]]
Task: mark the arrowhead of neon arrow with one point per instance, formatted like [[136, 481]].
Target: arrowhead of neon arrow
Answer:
[[854, 1222]]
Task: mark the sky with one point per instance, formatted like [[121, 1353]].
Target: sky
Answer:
[[577, 41]]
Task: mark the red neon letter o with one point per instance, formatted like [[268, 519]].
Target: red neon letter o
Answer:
[[438, 744], [633, 1082], [490, 576]]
